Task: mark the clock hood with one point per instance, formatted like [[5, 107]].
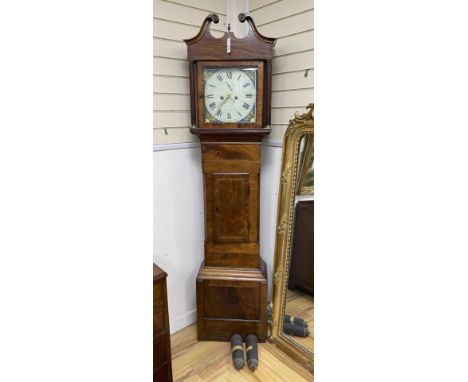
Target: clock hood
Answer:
[[254, 45]]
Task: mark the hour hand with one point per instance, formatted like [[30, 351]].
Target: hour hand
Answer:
[[225, 99], [229, 86]]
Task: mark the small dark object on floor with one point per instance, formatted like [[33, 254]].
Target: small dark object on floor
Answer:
[[295, 330], [237, 350], [251, 343], [295, 320]]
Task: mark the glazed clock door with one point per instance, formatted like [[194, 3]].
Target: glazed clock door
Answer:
[[230, 94]]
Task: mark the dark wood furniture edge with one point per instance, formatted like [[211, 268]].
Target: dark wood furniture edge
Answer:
[[158, 273], [261, 131], [241, 274], [197, 51], [213, 17], [162, 371]]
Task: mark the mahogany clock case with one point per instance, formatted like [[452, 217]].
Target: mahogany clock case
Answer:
[[232, 281]]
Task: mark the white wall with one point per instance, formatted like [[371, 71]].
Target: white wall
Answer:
[[292, 23], [269, 188], [174, 21], [179, 227]]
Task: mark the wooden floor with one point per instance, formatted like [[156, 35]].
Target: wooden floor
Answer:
[[301, 305], [194, 361]]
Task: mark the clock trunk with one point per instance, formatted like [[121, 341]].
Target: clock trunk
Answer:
[[232, 281], [231, 175]]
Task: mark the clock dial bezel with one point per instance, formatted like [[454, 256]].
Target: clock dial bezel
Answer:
[[236, 102], [238, 65]]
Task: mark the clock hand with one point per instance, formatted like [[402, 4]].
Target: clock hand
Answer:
[[229, 86], [222, 103]]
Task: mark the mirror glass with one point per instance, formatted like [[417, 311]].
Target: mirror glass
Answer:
[[298, 320]]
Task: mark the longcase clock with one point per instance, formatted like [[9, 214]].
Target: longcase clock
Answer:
[[230, 91]]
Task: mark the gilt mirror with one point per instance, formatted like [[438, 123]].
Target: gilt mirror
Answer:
[[291, 320]]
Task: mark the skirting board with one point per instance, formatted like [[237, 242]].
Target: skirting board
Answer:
[[183, 321], [191, 145]]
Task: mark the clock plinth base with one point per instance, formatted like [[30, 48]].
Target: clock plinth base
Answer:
[[231, 300]]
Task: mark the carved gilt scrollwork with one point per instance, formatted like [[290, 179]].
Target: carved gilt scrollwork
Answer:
[[285, 175], [278, 275], [282, 226]]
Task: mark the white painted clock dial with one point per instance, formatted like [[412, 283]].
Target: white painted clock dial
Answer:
[[230, 95]]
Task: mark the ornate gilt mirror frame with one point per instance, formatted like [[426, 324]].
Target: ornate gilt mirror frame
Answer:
[[300, 126]]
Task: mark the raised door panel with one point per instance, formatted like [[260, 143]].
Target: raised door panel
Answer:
[[231, 200], [239, 300]]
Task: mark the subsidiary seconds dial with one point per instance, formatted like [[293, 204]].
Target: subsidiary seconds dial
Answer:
[[230, 95]]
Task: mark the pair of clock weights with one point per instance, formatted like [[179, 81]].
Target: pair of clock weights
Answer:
[[230, 93], [251, 351]]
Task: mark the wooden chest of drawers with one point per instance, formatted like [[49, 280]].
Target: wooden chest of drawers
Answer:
[[162, 369]]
